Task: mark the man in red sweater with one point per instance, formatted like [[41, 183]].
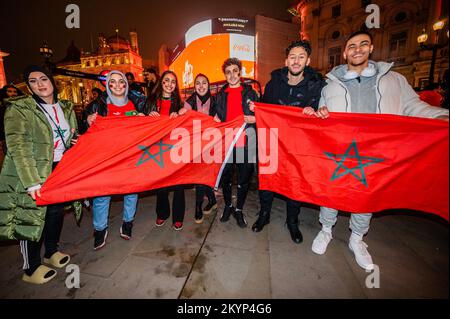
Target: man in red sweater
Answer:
[[233, 101]]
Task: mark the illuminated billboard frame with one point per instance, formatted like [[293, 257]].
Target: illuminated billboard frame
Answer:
[[208, 43]]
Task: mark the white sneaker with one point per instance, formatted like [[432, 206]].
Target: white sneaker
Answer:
[[320, 243], [362, 256]]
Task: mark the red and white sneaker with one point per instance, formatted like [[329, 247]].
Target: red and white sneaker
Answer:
[[177, 226], [160, 222]]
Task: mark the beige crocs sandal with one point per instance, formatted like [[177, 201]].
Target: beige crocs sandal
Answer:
[[58, 260], [39, 276]]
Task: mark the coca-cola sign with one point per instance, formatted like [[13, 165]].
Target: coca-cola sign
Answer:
[[242, 47]]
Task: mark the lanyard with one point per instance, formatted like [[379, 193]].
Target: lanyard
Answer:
[[56, 125]]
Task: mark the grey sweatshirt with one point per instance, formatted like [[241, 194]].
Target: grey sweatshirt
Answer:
[[362, 90]]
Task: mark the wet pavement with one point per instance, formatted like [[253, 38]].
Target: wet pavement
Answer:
[[221, 260]]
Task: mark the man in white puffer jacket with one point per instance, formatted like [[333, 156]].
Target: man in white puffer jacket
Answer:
[[364, 86]]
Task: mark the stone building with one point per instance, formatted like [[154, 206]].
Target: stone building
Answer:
[[114, 52], [111, 53], [327, 24]]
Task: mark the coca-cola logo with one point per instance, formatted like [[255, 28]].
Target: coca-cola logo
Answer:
[[241, 47]]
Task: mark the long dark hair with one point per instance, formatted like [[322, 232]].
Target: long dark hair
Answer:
[[175, 98]]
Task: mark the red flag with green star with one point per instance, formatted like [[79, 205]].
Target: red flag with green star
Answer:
[[359, 163], [123, 155]]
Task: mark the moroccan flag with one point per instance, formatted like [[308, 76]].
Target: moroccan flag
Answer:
[[359, 163], [122, 155]]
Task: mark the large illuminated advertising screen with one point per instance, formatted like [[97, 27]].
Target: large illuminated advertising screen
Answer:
[[204, 50]]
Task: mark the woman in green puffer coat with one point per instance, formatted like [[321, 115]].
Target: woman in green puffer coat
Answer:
[[38, 131]]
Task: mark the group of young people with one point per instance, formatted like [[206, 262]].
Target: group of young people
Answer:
[[40, 128]]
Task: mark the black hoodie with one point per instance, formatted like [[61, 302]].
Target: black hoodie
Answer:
[[305, 93]]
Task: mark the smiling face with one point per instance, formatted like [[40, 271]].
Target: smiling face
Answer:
[[357, 50], [41, 85], [201, 85], [117, 85], [169, 83], [233, 75], [297, 60]]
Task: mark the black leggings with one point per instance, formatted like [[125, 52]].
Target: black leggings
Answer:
[[31, 250], [178, 203], [200, 191]]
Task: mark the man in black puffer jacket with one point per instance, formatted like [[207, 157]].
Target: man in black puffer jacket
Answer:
[[298, 85], [303, 94]]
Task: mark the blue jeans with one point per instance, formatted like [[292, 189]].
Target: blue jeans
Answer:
[[100, 208]]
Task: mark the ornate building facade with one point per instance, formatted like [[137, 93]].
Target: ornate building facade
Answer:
[[112, 53], [327, 24]]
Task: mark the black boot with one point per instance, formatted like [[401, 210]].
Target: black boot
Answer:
[[296, 235], [240, 218], [263, 220], [227, 211]]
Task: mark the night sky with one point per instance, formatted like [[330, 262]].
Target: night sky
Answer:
[[24, 25]]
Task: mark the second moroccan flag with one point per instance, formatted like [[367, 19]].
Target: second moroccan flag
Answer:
[[359, 163]]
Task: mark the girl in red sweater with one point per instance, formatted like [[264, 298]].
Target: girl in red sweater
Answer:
[[166, 101]]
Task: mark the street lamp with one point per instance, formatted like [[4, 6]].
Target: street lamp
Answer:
[[438, 25], [421, 39], [80, 84]]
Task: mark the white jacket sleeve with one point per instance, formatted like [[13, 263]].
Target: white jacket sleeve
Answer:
[[413, 106], [322, 101]]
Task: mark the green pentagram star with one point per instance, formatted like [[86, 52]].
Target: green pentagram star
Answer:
[[339, 159], [146, 155], [59, 132]]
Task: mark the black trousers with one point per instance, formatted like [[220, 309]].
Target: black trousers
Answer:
[[31, 250], [244, 173], [200, 191], [178, 203], [292, 206]]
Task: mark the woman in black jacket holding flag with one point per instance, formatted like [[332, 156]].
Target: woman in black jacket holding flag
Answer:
[[202, 101]]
